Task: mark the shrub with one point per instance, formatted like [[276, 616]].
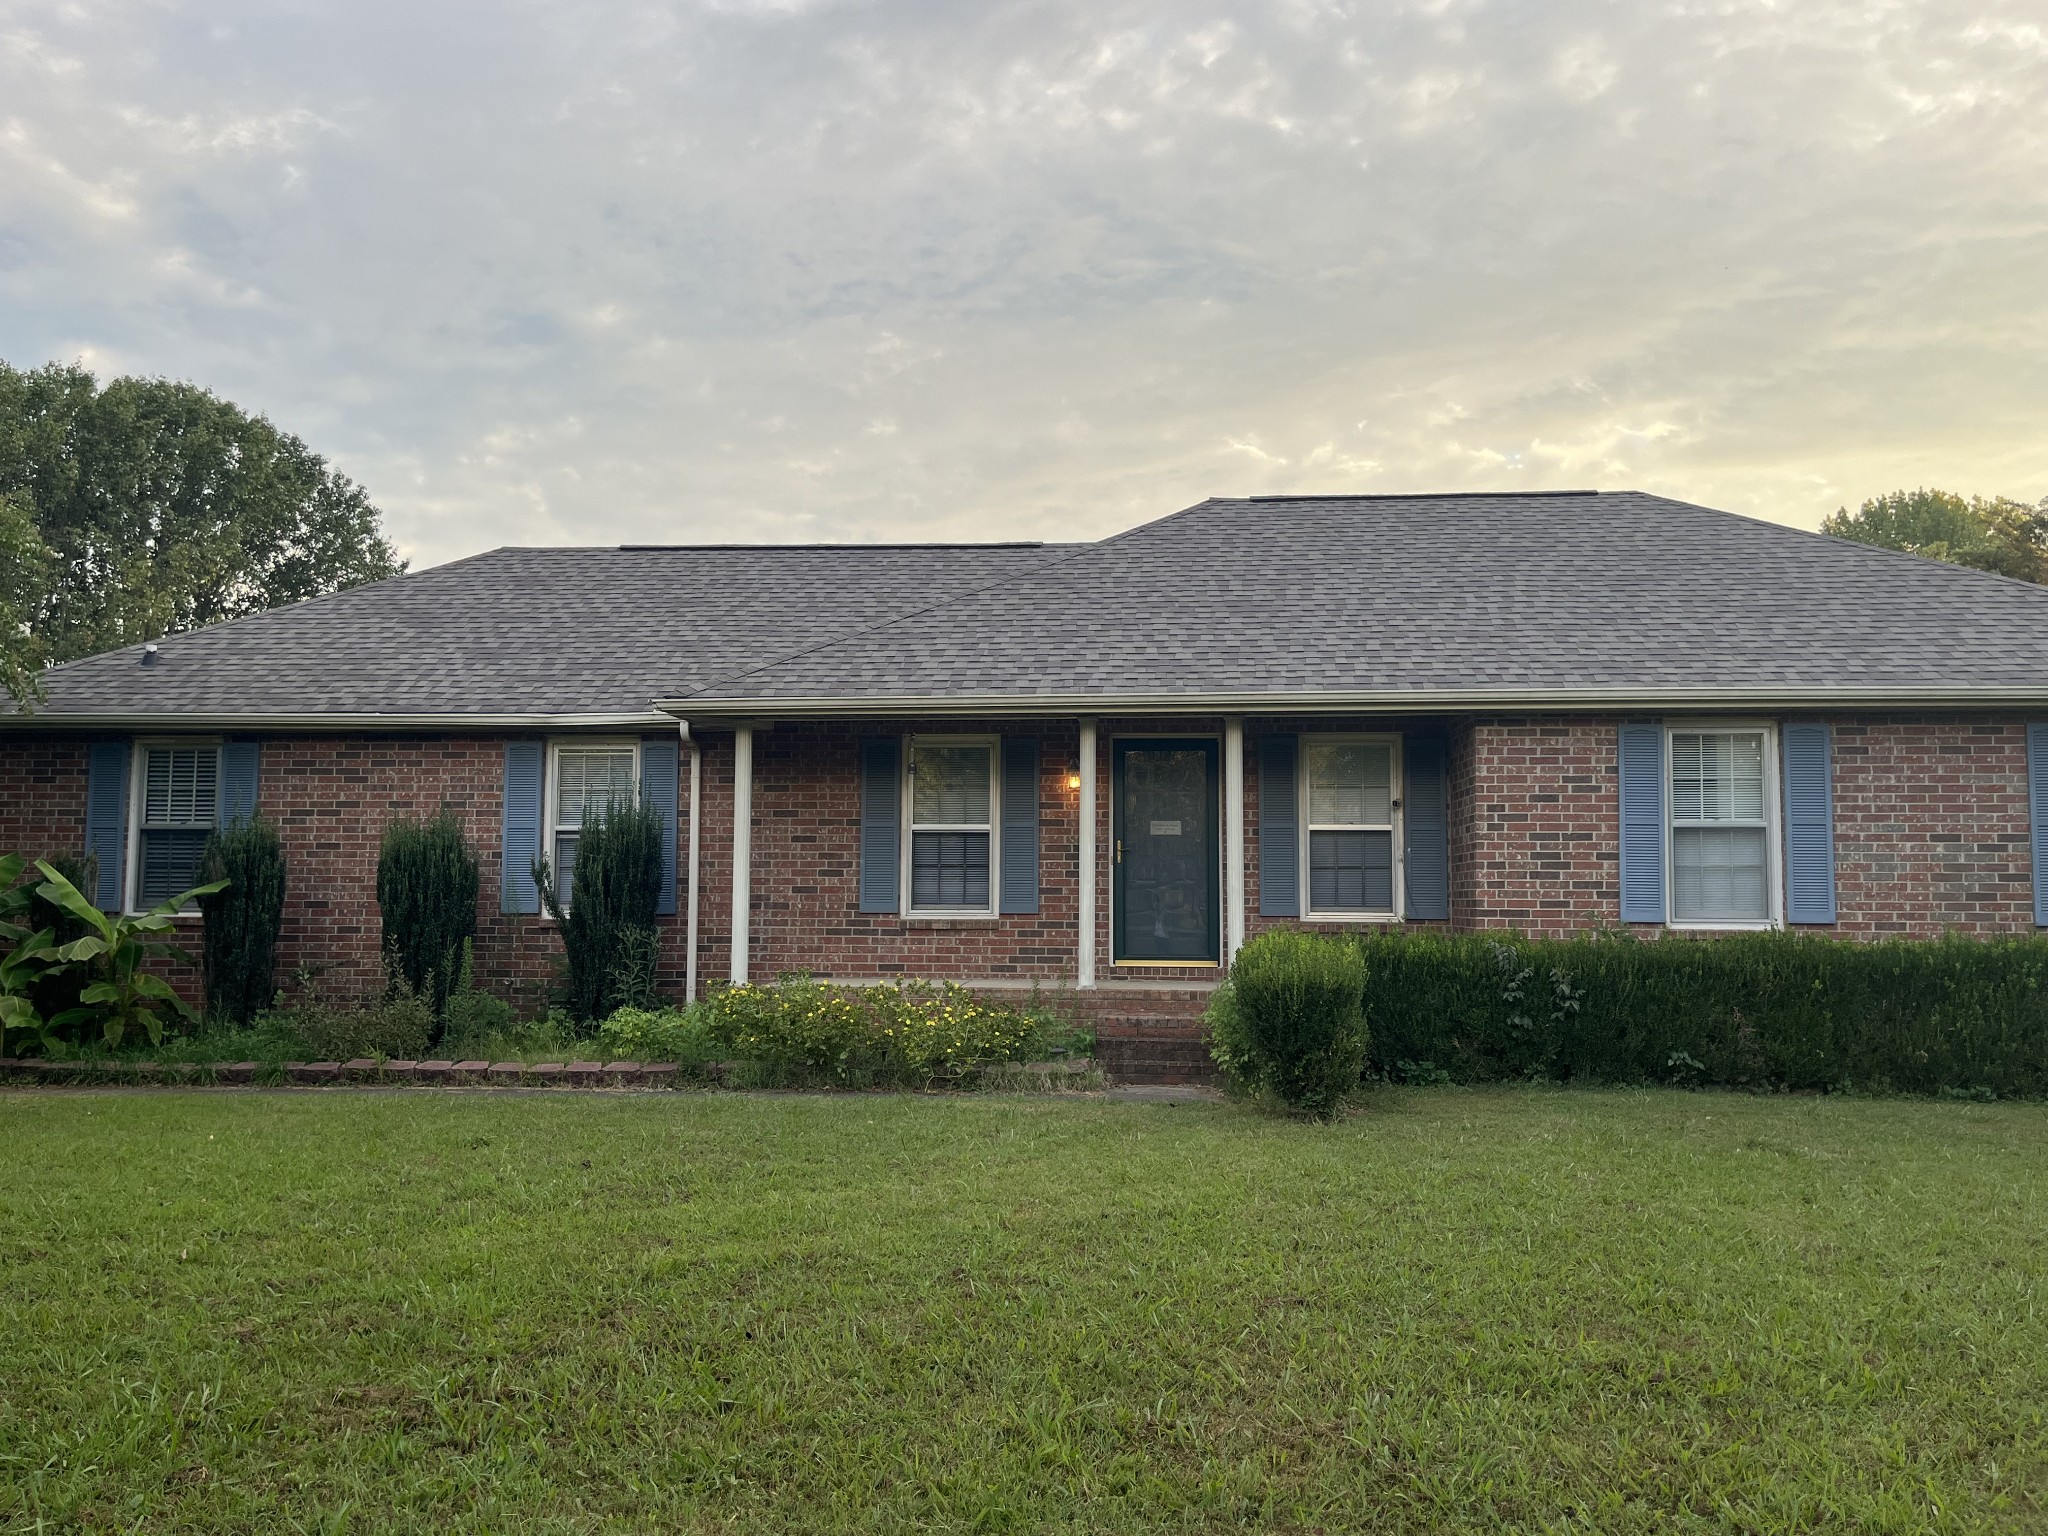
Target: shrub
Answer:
[[427, 893], [1765, 1010], [1291, 1020], [607, 926], [238, 953], [473, 1013], [685, 1036], [398, 1026]]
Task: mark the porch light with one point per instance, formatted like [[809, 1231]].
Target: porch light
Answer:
[[1073, 778]]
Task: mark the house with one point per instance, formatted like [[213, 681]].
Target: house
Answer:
[[1102, 766]]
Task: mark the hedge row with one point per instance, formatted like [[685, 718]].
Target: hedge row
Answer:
[[1767, 1010]]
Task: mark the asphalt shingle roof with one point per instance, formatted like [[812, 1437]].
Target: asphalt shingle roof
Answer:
[[1432, 595]]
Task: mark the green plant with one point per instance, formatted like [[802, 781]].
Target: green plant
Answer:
[[238, 948], [473, 1013], [28, 960], [608, 922], [1291, 1020], [427, 892], [683, 1035], [397, 1025], [121, 995]]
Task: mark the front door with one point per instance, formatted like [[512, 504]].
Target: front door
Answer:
[[1166, 887]]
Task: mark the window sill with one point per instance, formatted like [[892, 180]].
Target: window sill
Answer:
[[1730, 925], [949, 918], [1351, 917]]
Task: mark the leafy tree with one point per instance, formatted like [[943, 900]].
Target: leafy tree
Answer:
[[24, 568], [1994, 534], [163, 508]]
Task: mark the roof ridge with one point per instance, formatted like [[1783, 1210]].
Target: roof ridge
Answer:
[[1410, 495], [1075, 553]]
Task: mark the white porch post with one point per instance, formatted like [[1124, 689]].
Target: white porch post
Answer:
[[742, 849], [1085, 964], [696, 843], [1233, 835]]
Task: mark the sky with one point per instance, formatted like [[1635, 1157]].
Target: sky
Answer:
[[889, 270]]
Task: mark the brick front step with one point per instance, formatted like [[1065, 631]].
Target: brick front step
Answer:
[[1154, 1052]]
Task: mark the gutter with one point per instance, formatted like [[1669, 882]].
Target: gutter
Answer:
[[301, 720], [708, 712]]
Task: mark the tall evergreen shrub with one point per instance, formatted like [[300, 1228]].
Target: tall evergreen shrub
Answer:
[[1291, 1020], [607, 925], [238, 957], [427, 891]]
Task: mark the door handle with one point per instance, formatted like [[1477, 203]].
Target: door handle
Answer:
[[1119, 850]]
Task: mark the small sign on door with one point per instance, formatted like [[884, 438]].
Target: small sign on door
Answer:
[[1166, 829]]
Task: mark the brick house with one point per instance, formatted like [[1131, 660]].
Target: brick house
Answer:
[[1102, 766]]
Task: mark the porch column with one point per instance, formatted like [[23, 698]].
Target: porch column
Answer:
[[1233, 836], [1085, 964], [742, 849]]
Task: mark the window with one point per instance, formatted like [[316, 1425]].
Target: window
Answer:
[[1350, 826], [952, 825], [180, 795], [1720, 827], [587, 778]]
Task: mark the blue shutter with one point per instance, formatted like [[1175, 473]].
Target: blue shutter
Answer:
[[1809, 823], [2037, 787], [1426, 824], [881, 816], [1020, 824], [239, 761], [1642, 823], [521, 845], [660, 758], [106, 820], [1279, 834]]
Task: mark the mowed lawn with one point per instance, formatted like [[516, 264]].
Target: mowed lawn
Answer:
[[1539, 1310]]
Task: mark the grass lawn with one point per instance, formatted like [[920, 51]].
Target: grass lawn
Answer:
[[1538, 1310]]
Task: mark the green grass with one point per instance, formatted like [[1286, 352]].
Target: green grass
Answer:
[[1462, 1310]]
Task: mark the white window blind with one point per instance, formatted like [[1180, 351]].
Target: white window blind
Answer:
[[952, 800], [1720, 831], [180, 800], [587, 779], [1350, 826]]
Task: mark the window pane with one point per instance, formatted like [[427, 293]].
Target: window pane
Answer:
[[950, 786], [565, 866], [1350, 783], [169, 864], [1351, 871], [1718, 874], [589, 781], [180, 787], [1717, 776], [949, 869]]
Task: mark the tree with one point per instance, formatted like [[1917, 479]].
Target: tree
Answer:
[[24, 570], [162, 507], [1994, 534]]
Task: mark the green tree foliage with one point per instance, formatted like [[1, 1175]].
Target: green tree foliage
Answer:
[[607, 926], [239, 955], [1993, 534], [24, 575], [427, 891], [161, 507]]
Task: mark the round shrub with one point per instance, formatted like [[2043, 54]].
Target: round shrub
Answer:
[[1291, 1020]]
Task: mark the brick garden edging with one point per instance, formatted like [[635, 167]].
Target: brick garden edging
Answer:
[[364, 1071]]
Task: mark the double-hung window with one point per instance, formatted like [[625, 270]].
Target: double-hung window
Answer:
[[587, 778], [1721, 801], [952, 825], [1351, 801], [179, 795]]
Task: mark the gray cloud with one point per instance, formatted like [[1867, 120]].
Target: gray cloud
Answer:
[[614, 272]]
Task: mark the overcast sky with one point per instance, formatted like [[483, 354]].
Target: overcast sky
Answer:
[[604, 273]]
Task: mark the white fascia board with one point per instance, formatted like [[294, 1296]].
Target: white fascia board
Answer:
[[178, 722], [1412, 701]]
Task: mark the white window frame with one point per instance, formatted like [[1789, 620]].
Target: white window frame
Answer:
[[551, 799], [911, 827], [1774, 863], [1396, 798], [138, 784]]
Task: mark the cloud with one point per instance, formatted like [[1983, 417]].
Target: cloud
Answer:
[[624, 271]]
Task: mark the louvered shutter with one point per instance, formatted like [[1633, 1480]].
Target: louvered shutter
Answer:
[[2037, 786], [106, 821], [881, 817], [1809, 823], [1426, 822], [521, 844], [239, 763], [660, 758], [1279, 829], [1642, 823], [1019, 880]]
